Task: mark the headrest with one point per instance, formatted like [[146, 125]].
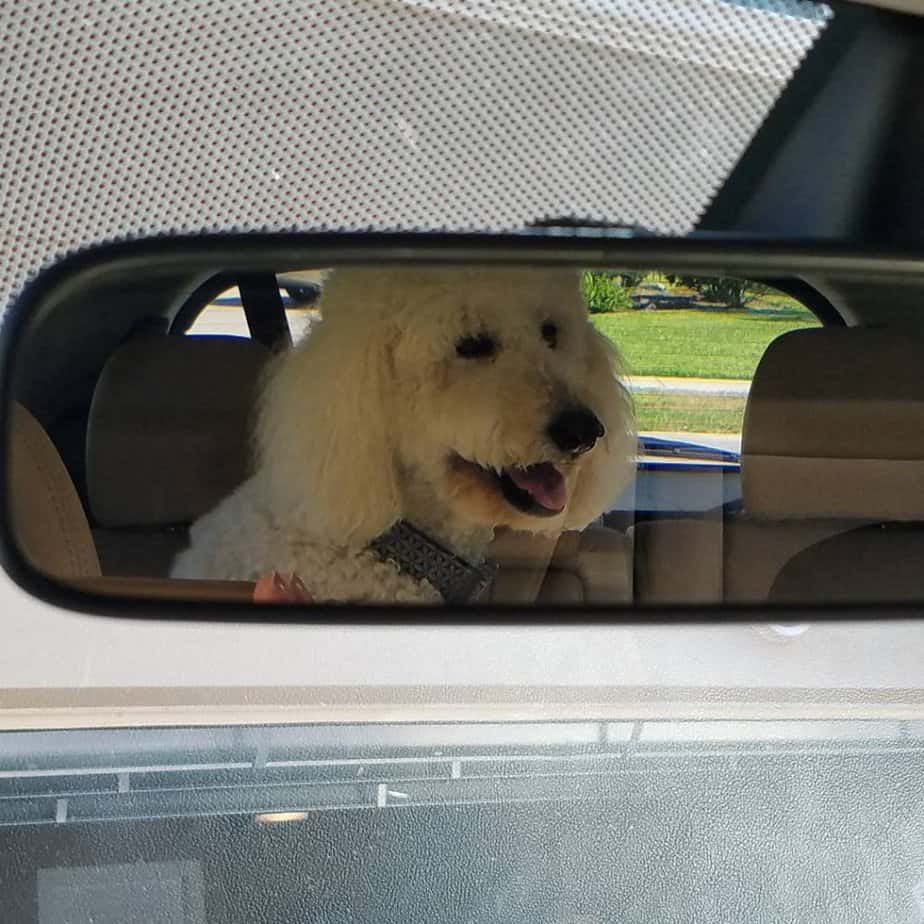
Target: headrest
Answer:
[[48, 521], [169, 428], [834, 427]]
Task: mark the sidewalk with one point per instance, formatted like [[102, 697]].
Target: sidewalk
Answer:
[[678, 385]]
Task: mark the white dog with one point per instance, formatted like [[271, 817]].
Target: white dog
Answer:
[[427, 408]]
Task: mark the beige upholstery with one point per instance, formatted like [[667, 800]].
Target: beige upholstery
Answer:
[[136, 552], [874, 564], [48, 521], [678, 561], [169, 589], [53, 534], [833, 439], [168, 434], [168, 438], [835, 427], [706, 561], [593, 566]]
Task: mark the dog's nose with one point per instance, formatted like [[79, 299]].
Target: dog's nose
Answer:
[[575, 430]]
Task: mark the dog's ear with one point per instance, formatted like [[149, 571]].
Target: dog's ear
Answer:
[[323, 442], [608, 468]]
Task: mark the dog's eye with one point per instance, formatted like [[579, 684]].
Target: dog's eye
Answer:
[[476, 346], [550, 333]]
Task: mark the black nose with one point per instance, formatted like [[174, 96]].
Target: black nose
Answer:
[[575, 430]]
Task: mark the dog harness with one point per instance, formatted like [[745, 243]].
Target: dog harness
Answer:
[[420, 557]]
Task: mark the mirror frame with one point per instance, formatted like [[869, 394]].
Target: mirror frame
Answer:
[[759, 258]]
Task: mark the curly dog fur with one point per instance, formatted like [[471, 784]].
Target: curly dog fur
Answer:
[[412, 398]]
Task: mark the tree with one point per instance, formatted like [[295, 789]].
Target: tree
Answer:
[[735, 293]]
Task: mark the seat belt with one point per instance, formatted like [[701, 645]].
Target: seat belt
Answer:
[[264, 310]]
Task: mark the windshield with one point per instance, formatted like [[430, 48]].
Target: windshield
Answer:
[[620, 820], [429, 115], [690, 346], [564, 455]]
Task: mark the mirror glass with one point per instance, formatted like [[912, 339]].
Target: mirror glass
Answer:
[[470, 434]]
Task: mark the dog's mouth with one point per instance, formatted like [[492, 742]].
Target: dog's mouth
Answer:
[[539, 489]]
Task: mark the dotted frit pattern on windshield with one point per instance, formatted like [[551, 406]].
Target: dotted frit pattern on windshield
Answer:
[[125, 118]]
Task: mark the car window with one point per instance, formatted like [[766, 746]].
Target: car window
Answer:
[[224, 314], [468, 433], [690, 345]]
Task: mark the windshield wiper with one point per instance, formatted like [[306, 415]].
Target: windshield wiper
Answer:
[[680, 449]]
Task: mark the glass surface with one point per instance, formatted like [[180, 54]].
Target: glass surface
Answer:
[[423, 115], [469, 435], [558, 773], [591, 821]]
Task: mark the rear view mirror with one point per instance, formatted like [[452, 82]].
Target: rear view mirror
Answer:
[[459, 428]]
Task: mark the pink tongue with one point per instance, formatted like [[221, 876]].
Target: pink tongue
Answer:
[[544, 482]]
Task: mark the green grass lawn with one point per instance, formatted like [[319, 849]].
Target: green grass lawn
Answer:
[[688, 413], [703, 344]]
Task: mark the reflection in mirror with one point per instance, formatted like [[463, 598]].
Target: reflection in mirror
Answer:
[[468, 435]]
